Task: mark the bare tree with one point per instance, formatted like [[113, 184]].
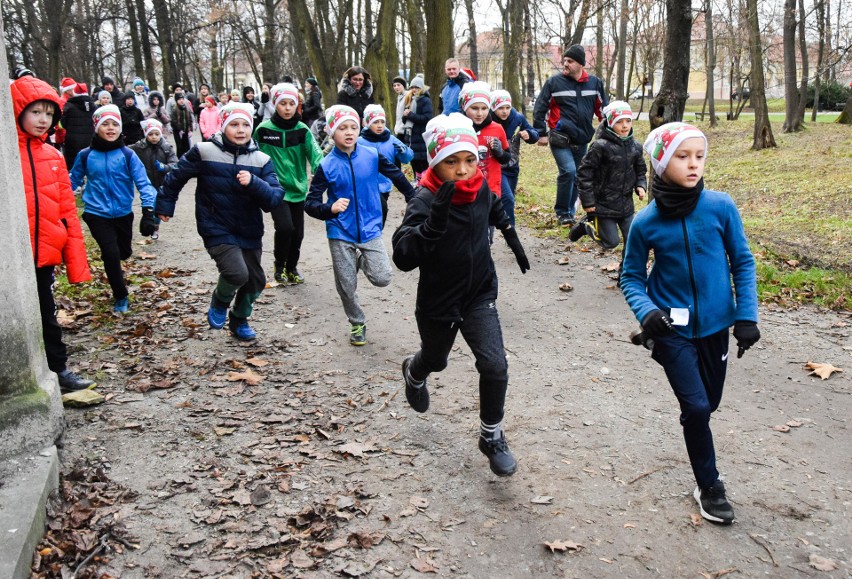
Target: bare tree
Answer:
[[439, 26], [378, 55], [763, 137], [792, 123], [711, 61], [472, 42], [620, 90], [669, 104]]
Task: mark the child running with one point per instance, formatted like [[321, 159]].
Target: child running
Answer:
[[157, 155], [353, 212], [610, 173], [110, 171], [236, 182], [55, 232], [475, 101], [516, 127], [445, 233], [289, 142], [375, 134], [686, 303]]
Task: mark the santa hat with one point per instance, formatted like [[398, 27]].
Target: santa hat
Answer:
[[67, 84], [446, 135], [233, 111], [337, 115], [284, 91], [152, 125], [663, 141], [373, 113], [80, 89], [500, 98], [617, 110], [106, 113], [475, 92]]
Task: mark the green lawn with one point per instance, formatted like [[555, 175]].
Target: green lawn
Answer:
[[796, 203]]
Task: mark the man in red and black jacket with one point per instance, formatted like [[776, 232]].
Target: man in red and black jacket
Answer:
[[563, 116]]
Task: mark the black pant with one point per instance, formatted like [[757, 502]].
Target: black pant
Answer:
[[481, 330], [182, 144], [419, 165], [54, 349], [113, 236], [289, 220], [241, 278]]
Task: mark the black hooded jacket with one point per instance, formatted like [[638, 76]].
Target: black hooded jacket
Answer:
[[131, 120], [77, 122], [609, 174], [357, 99]]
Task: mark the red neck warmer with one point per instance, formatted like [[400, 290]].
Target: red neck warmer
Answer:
[[466, 191]]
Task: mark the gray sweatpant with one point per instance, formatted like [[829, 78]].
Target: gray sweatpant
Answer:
[[346, 259]]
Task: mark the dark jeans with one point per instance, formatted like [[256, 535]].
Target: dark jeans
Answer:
[[696, 371], [481, 330], [54, 349], [289, 220], [240, 275], [567, 161], [418, 166], [384, 199], [113, 235], [507, 196]]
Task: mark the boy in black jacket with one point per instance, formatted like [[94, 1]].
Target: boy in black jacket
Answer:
[[445, 234]]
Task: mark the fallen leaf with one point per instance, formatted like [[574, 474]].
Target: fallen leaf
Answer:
[[257, 362], [821, 563], [792, 262], [423, 565], [794, 423], [358, 568], [366, 540], [300, 560], [565, 287], [356, 448], [541, 500], [260, 496], [822, 370], [781, 428], [696, 519], [250, 377], [564, 260], [242, 497], [610, 267], [145, 255], [419, 502], [563, 546], [82, 398], [223, 430]]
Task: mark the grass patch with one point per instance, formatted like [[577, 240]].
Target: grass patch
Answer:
[[796, 203]]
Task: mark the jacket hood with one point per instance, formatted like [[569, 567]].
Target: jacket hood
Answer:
[[366, 90], [248, 89], [125, 96], [157, 94], [27, 90], [219, 140]]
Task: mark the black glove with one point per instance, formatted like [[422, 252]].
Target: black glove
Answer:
[[497, 150], [657, 323], [441, 207], [399, 148], [148, 224], [747, 336], [511, 237]]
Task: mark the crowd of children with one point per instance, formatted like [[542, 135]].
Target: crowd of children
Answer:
[[254, 158]]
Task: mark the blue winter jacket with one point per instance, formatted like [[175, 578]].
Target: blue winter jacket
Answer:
[[513, 125], [225, 211], [695, 258], [390, 148], [354, 177], [450, 94], [109, 188]]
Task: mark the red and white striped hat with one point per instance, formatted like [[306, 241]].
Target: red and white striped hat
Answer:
[[106, 113]]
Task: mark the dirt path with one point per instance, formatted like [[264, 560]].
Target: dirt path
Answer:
[[322, 469]]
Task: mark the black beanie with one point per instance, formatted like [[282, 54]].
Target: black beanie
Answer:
[[576, 53], [400, 80]]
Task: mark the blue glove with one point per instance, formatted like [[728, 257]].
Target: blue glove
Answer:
[[160, 167]]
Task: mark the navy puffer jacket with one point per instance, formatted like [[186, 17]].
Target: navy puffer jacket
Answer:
[[225, 211], [609, 174], [420, 114]]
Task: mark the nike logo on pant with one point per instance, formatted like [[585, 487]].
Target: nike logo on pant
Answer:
[[725, 357]]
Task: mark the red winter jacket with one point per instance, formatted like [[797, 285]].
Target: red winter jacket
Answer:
[[55, 232]]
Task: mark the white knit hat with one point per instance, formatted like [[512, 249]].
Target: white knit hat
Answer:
[[617, 110], [475, 92], [338, 114], [500, 98], [373, 113], [446, 135], [233, 111], [282, 91], [105, 113], [663, 141], [149, 125]]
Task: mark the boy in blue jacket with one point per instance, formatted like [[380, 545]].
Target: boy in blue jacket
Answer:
[[375, 134], [236, 182], [517, 128], [111, 170], [686, 304], [349, 175]]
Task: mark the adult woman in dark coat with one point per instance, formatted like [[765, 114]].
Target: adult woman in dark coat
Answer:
[[312, 107], [356, 89], [417, 112]]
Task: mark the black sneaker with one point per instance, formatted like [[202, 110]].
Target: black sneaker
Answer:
[[499, 456], [578, 230], [566, 221], [280, 275], [418, 398], [713, 504], [591, 227], [358, 334], [71, 382]]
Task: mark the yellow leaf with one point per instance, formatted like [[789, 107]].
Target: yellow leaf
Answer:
[[250, 377], [822, 370]]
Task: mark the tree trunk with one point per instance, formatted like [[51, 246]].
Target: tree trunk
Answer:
[[318, 52], [378, 56], [711, 62], [135, 44], [820, 10], [439, 26], [417, 33], [217, 70], [57, 15], [511, 72], [164, 29], [270, 59], [620, 91], [150, 74], [670, 101], [845, 117], [763, 137], [599, 41], [472, 43], [531, 59], [792, 123], [803, 50]]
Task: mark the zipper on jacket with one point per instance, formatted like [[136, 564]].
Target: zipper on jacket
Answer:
[[35, 197], [354, 196], [691, 279]]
